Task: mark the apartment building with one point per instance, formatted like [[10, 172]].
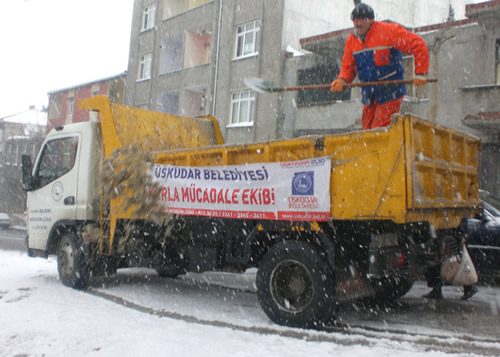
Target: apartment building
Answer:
[[190, 57], [20, 134]]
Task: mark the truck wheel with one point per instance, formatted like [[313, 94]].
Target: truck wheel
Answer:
[[169, 271], [170, 264], [295, 285], [104, 267], [72, 264]]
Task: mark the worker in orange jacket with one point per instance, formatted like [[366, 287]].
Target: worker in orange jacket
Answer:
[[374, 54]]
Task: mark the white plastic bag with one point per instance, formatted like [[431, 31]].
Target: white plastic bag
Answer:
[[459, 270], [466, 274], [449, 269]]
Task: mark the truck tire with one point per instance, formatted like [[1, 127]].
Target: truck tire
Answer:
[[170, 266], [104, 267], [72, 264], [295, 285], [169, 271]]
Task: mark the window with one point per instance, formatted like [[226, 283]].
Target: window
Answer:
[[191, 4], [497, 60], [242, 107], [196, 48], [192, 102], [148, 17], [57, 158], [175, 7], [168, 102], [171, 54], [144, 71], [320, 74], [247, 39], [187, 102], [7, 154], [71, 106], [16, 160], [185, 50]]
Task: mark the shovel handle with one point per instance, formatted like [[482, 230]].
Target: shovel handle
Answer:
[[351, 85]]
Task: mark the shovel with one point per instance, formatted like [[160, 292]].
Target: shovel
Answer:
[[265, 86]]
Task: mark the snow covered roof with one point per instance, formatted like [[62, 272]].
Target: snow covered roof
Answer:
[[106, 79]]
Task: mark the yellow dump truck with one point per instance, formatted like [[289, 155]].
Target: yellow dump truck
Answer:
[[324, 219]]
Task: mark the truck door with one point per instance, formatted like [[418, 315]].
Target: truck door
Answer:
[[53, 199]]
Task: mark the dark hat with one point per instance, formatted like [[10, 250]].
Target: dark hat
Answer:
[[362, 11]]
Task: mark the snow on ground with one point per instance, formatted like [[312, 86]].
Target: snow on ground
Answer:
[[41, 317]]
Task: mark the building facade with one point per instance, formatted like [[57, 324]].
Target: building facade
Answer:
[[190, 57], [20, 134], [63, 109]]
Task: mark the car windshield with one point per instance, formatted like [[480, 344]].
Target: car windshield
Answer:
[[491, 199], [491, 210]]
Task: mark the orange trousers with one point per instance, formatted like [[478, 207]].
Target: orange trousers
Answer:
[[377, 115]]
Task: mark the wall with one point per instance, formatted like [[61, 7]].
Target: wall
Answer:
[[232, 72], [463, 60]]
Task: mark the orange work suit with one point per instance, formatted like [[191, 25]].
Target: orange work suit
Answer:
[[378, 57]]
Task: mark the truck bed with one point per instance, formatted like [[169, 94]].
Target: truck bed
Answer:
[[411, 171]]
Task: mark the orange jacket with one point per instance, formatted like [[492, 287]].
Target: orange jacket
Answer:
[[379, 58]]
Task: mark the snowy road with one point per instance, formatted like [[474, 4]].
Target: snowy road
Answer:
[[12, 239], [229, 300], [138, 313]]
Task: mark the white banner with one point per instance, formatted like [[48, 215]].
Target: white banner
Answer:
[[296, 190]]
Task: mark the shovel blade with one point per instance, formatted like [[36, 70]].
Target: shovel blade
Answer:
[[259, 85]]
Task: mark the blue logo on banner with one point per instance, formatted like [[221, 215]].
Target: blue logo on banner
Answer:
[[303, 183]]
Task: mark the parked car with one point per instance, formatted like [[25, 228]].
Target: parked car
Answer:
[[483, 241], [4, 220]]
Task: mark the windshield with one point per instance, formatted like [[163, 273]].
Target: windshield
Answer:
[[491, 210], [491, 199]]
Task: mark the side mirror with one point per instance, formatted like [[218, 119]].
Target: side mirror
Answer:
[[27, 175]]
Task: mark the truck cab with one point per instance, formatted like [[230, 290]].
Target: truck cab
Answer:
[[62, 184]]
